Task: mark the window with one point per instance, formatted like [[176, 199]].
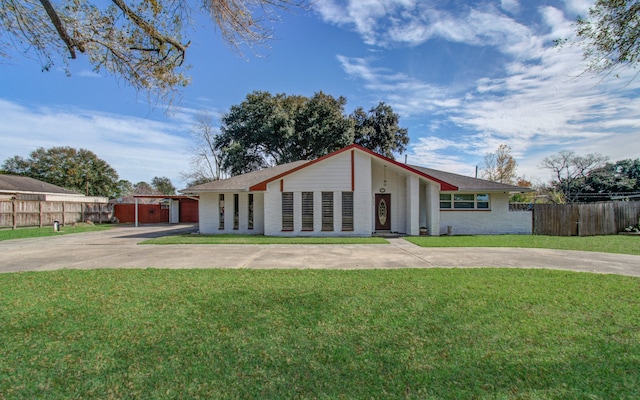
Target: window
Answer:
[[250, 213], [327, 211], [307, 211], [287, 211], [236, 211], [347, 211], [464, 201], [445, 201], [221, 211], [482, 201]]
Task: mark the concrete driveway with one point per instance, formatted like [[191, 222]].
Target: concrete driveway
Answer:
[[118, 248]]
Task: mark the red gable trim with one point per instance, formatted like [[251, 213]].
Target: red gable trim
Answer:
[[443, 185]]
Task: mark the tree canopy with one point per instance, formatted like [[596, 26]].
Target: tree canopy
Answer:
[[266, 130], [612, 179], [378, 130], [143, 42], [79, 170], [163, 185], [610, 34], [500, 166], [570, 171]]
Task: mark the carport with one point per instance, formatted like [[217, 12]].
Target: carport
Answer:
[[168, 209]]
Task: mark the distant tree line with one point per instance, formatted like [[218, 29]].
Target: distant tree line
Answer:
[[81, 171], [575, 178], [591, 177]]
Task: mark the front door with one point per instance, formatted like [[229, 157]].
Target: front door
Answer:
[[383, 212]]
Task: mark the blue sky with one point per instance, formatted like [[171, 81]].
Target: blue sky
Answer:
[[465, 77]]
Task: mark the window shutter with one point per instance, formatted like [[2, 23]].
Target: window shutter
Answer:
[[347, 211], [327, 211], [287, 211]]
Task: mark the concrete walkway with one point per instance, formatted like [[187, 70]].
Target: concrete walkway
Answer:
[[118, 248]]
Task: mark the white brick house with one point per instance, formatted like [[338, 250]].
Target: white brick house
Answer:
[[356, 192]]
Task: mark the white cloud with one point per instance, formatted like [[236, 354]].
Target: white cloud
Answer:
[[511, 6], [579, 7], [408, 95], [401, 23], [541, 103], [85, 73], [138, 149]]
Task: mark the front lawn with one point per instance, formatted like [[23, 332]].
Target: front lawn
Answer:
[[260, 239], [619, 244], [248, 334], [23, 233]]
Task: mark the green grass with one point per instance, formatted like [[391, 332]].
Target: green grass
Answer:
[[249, 334], [23, 233], [260, 239], [619, 244]]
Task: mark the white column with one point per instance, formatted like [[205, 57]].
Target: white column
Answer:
[[433, 208], [413, 206]]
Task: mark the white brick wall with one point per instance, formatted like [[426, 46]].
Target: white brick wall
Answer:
[[334, 175], [208, 207], [497, 221]]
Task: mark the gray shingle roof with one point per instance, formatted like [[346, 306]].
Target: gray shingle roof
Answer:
[[24, 184], [245, 181], [467, 183]]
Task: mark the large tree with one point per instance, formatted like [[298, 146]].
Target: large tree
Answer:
[[613, 179], [610, 34], [266, 130], [500, 166], [378, 130], [75, 169], [206, 158], [163, 185], [143, 42], [569, 172]]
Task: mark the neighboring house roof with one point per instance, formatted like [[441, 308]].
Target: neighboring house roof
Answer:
[[258, 180], [22, 184]]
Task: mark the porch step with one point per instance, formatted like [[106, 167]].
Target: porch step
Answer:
[[387, 235]]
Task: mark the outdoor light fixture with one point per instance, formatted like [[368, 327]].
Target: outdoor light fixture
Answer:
[[384, 183]]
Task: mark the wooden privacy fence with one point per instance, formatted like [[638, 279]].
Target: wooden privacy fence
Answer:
[[23, 213], [584, 219]]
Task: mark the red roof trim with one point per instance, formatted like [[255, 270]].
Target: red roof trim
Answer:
[[263, 185], [443, 185]]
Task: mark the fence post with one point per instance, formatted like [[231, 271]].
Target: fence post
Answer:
[[40, 204], [15, 214]]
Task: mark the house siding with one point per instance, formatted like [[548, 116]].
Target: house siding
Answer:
[[414, 201], [499, 220], [323, 177], [208, 209]]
